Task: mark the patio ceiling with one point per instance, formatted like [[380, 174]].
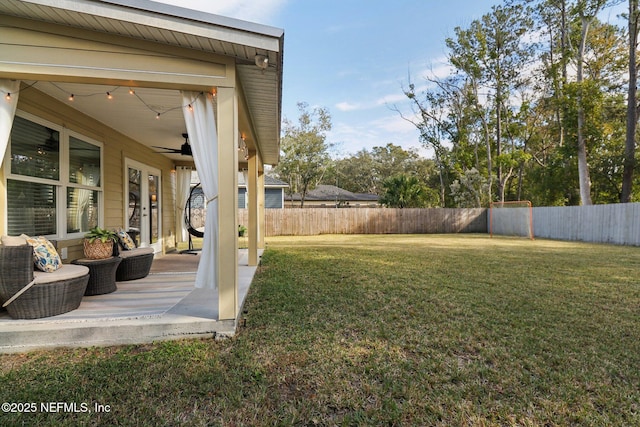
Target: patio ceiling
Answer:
[[131, 115], [135, 115]]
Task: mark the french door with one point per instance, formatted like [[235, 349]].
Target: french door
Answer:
[[143, 204]]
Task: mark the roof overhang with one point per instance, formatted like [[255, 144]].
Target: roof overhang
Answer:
[[186, 33]]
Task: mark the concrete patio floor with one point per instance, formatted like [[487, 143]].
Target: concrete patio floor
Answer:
[[162, 306]]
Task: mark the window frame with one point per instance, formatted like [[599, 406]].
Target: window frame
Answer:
[[63, 183]]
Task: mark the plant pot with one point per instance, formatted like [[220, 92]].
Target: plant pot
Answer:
[[97, 249]]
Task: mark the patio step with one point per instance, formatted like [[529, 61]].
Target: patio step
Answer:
[[105, 332]]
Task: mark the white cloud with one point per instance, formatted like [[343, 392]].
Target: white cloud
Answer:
[[347, 106], [375, 133], [391, 99]]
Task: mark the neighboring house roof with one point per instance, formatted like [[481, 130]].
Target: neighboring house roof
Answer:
[[331, 193], [175, 27], [269, 182]]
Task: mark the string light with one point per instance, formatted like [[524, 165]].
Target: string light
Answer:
[[109, 94], [8, 95]]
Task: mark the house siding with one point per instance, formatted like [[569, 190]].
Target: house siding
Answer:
[[273, 198], [242, 198], [117, 147]]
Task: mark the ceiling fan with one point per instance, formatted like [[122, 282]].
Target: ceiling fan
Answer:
[[185, 149]]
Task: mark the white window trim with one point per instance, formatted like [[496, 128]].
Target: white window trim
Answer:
[[63, 182]]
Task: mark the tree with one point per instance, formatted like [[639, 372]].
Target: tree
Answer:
[[632, 107], [366, 171], [493, 54], [402, 191], [433, 123], [470, 191], [305, 151], [586, 11]]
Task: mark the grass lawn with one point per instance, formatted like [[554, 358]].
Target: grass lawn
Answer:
[[380, 330]]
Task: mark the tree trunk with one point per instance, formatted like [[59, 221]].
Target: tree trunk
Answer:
[[499, 139], [583, 166], [632, 112], [563, 47]]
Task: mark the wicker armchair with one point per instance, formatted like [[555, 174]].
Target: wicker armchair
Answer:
[[51, 294], [135, 264]]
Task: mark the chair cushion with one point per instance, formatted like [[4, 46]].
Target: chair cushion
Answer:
[[45, 256], [13, 240], [125, 240], [135, 252], [65, 272]]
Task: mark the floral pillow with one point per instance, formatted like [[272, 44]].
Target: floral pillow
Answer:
[[45, 256], [125, 240]]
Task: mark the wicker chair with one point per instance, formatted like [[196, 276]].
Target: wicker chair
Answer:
[[135, 264], [51, 294]]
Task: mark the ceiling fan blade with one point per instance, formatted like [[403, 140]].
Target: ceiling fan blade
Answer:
[[168, 150]]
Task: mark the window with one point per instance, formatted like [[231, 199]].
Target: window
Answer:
[[54, 184]]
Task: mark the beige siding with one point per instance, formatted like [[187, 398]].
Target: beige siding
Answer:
[[117, 147]]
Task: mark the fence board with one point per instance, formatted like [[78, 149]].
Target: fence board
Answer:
[[615, 223], [312, 221]]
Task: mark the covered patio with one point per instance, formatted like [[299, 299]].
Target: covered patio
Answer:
[[118, 83], [164, 305]]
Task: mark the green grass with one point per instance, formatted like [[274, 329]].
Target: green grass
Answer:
[[381, 330]]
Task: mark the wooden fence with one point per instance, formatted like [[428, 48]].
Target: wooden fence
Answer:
[[616, 223], [312, 221]]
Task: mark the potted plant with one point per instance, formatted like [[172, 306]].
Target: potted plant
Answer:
[[241, 230], [98, 243]]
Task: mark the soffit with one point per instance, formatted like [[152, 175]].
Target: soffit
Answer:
[[183, 28]]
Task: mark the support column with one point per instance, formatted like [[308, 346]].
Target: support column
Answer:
[[3, 199], [252, 188], [227, 203], [261, 211]]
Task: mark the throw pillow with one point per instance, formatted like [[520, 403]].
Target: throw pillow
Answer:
[[45, 256], [125, 240]]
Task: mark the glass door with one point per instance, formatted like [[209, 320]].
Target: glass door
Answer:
[[143, 208]]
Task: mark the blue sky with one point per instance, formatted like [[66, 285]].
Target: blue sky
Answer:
[[354, 56]]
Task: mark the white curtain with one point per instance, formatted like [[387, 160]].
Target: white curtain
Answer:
[[7, 111], [90, 175], [201, 127], [183, 186]]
